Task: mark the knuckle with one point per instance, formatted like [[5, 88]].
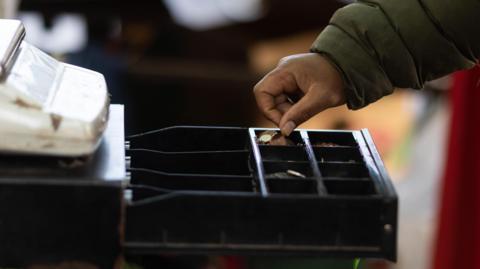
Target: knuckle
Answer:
[[289, 60], [259, 87], [333, 99], [256, 88], [284, 61]]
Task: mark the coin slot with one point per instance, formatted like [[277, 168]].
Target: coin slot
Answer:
[[280, 170], [338, 154], [185, 139], [272, 137], [332, 139], [210, 163], [349, 187], [339, 169], [283, 153], [158, 182], [294, 186]]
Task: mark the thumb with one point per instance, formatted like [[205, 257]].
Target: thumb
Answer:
[[307, 107]]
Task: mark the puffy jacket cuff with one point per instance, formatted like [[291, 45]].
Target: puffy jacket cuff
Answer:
[[364, 80]]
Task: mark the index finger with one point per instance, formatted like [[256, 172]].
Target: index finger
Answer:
[[266, 91]]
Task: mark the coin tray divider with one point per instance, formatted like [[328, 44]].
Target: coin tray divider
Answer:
[[340, 158], [307, 168]]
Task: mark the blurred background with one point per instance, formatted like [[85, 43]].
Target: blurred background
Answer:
[[195, 62]]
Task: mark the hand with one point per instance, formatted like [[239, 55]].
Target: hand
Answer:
[[308, 77]]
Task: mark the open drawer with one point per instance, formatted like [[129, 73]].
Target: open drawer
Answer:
[[219, 190]]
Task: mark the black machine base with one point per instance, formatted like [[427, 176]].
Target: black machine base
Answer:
[[199, 190]]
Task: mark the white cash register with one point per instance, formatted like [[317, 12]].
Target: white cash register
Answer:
[[47, 107]]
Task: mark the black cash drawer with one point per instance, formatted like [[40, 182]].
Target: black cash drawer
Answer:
[[215, 190]]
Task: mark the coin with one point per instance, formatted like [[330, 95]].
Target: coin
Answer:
[[274, 138], [266, 137], [325, 144], [295, 173]]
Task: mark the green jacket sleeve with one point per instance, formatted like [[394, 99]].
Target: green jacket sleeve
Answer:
[[379, 45]]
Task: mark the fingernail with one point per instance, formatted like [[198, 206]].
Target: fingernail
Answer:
[[288, 128]]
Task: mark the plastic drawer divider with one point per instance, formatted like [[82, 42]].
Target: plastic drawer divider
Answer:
[[258, 162], [322, 190]]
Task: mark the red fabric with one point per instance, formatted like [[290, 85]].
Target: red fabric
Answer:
[[458, 237], [232, 262]]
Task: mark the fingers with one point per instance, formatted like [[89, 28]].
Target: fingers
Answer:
[[283, 103], [270, 94], [284, 107], [308, 79], [274, 95], [266, 103], [304, 109]]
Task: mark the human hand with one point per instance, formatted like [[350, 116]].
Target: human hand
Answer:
[[308, 78]]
